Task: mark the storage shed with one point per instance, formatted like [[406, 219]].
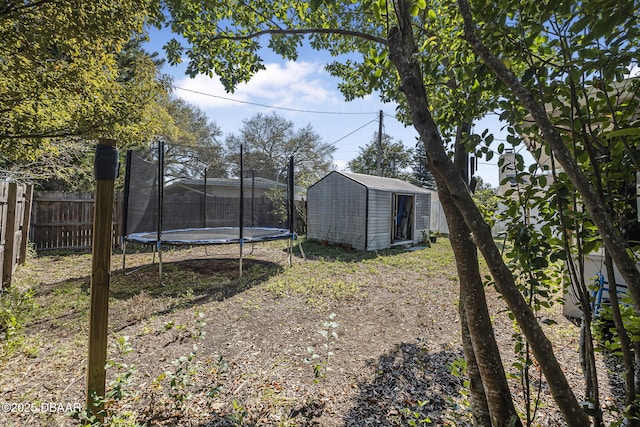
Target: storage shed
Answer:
[[367, 212]]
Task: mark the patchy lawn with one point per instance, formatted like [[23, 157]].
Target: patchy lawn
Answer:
[[339, 339]]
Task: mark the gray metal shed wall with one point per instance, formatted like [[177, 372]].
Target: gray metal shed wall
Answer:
[[337, 211], [380, 211]]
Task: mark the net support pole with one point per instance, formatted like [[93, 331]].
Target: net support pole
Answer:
[[125, 208], [253, 195], [204, 200], [160, 205], [291, 210], [106, 172], [241, 230]]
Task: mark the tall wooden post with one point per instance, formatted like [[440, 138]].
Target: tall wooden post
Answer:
[[106, 171], [10, 236]]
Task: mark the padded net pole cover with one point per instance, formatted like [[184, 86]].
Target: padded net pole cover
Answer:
[[105, 166]]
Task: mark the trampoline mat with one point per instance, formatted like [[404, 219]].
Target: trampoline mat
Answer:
[[212, 236]]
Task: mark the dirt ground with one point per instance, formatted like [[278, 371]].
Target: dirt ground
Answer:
[[209, 349]]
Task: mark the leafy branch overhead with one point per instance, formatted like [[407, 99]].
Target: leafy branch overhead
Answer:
[[62, 75]]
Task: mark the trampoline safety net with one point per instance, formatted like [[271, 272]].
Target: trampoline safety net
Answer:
[[171, 185]]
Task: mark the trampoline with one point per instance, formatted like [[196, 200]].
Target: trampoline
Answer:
[[212, 236], [169, 199]]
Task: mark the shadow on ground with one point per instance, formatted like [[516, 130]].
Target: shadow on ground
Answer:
[[412, 386], [185, 284]]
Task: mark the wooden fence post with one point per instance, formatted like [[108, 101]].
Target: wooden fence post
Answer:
[[106, 170], [4, 187], [10, 232], [26, 223]]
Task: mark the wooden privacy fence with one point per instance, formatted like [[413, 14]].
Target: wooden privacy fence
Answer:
[[15, 214], [65, 220]]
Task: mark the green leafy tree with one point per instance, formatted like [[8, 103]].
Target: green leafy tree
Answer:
[[65, 162], [59, 74], [570, 94], [329, 27], [193, 142], [421, 174], [487, 200], [270, 140], [395, 158]]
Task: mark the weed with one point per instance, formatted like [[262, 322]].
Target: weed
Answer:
[[461, 407], [121, 387], [320, 362], [237, 415], [16, 307], [413, 418], [181, 379], [114, 408]]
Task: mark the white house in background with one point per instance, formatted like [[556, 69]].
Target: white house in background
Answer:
[[367, 212], [438, 222]]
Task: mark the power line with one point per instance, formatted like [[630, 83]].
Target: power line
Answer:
[[351, 133], [275, 107]]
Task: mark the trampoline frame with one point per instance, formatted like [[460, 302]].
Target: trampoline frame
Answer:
[[158, 238]]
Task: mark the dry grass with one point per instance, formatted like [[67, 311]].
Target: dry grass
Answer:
[[398, 334]]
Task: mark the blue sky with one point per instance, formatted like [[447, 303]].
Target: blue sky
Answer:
[[304, 93]]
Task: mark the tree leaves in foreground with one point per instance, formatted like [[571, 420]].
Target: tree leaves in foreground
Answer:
[[60, 74]]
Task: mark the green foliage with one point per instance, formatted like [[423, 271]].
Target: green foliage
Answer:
[[120, 387], [181, 379], [488, 203], [115, 410], [270, 140], [413, 418], [16, 307], [573, 58], [395, 158], [237, 415], [60, 74], [421, 175], [459, 370], [58, 155], [123, 391], [319, 361]]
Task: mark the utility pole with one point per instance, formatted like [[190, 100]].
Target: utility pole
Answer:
[[379, 154]]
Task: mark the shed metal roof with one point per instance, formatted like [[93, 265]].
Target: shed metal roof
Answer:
[[382, 183]]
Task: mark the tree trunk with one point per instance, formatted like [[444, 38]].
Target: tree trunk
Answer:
[[401, 49], [474, 305], [625, 347], [479, 405]]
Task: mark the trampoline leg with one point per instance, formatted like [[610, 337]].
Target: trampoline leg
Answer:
[[304, 257], [124, 254], [160, 261], [290, 251], [240, 259]]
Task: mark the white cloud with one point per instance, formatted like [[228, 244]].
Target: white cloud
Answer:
[[300, 85], [340, 165]]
